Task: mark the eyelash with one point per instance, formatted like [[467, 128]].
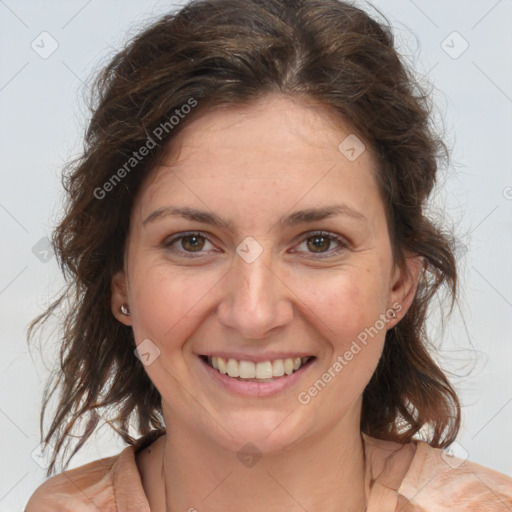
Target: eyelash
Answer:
[[330, 236]]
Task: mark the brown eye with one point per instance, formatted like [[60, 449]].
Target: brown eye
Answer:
[[319, 243], [192, 243], [188, 245]]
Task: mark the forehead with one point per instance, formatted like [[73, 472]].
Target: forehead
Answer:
[[275, 149]]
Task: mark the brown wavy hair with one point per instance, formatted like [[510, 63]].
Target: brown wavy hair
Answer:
[[231, 52]]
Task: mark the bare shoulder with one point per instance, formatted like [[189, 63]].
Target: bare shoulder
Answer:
[[86, 488], [438, 481]]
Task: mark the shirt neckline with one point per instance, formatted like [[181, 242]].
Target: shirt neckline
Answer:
[[387, 470]]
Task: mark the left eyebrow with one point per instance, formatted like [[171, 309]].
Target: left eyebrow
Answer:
[[299, 217], [316, 214]]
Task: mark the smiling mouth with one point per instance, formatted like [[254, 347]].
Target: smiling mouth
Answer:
[[257, 372]]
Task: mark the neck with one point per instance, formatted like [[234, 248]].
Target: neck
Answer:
[[324, 472]]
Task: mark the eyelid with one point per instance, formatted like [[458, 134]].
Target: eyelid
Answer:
[[344, 244], [169, 241]]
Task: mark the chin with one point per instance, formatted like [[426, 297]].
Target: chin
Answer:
[[269, 431]]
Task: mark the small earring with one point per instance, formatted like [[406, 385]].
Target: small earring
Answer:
[[124, 309], [393, 313]]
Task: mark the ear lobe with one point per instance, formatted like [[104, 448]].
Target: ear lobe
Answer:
[[405, 284], [119, 297]]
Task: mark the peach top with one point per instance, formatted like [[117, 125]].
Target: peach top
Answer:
[[413, 477]]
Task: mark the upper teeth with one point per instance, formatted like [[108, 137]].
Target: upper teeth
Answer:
[[262, 370]]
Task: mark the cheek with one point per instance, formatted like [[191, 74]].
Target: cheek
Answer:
[[166, 303], [345, 308], [345, 303]]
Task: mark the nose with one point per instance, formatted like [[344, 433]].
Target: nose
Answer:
[[256, 300]]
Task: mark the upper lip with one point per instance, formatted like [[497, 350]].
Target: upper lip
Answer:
[[258, 358]]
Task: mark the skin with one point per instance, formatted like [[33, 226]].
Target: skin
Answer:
[[252, 165]]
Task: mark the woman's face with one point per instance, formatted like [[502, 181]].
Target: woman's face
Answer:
[[243, 273]]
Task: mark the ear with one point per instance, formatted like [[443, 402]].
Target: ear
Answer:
[[120, 297], [404, 285]]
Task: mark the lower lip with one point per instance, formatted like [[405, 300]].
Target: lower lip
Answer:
[[257, 389]]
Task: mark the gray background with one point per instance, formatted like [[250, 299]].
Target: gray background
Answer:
[[42, 121]]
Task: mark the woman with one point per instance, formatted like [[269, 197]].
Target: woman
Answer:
[[247, 247]]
